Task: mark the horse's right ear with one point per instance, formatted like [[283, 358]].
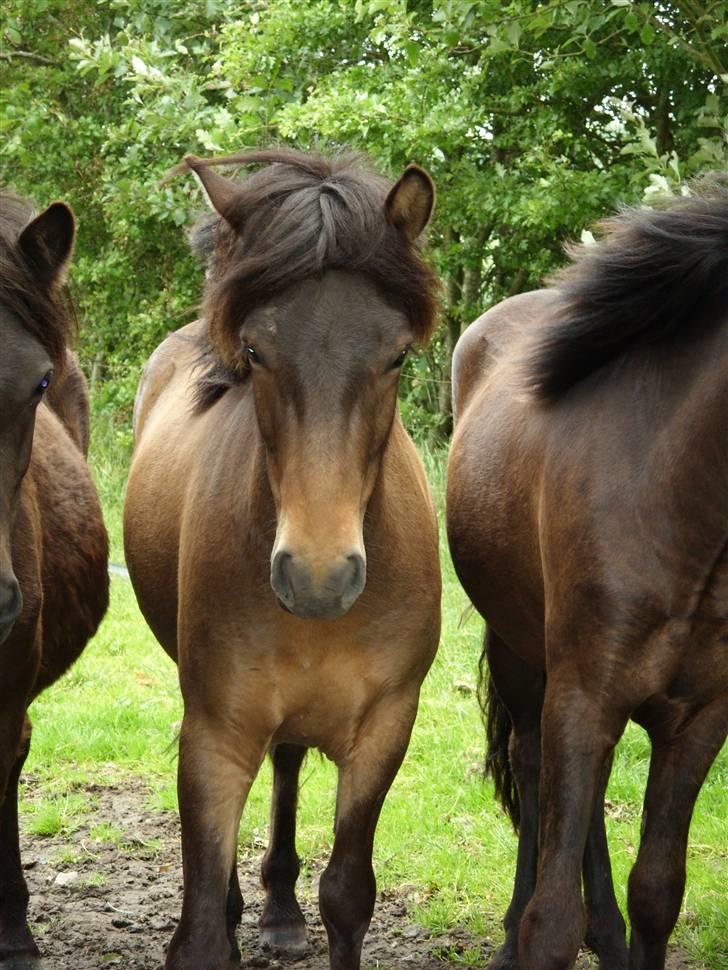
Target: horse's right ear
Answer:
[[220, 192], [47, 242], [410, 203]]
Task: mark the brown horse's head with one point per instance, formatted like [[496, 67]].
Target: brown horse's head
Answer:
[[34, 327], [316, 292]]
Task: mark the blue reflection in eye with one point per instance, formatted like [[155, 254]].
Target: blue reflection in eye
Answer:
[[44, 384]]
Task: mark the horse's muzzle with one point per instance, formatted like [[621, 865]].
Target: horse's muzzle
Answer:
[[300, 593]]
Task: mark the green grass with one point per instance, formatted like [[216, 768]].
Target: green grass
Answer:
[[441, 838]]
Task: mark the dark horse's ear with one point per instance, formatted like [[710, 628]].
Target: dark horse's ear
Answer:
[[220, 192], [47, 242], [410, 203]]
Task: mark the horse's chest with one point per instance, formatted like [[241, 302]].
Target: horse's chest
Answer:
[[309, 692], [323, 699]]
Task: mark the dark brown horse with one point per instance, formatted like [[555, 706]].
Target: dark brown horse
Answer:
[[279, 530], [588, 522], [53, 549]]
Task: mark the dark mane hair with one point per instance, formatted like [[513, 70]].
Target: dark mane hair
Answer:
[[46, 312], [293, 219], [654, 273]]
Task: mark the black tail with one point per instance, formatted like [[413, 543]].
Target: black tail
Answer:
[[654, 273], [498, 732]]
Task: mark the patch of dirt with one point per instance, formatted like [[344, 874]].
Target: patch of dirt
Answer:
[[97, 904]]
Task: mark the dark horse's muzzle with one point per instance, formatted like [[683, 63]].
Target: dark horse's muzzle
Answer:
[[11, 603], [298, 592]]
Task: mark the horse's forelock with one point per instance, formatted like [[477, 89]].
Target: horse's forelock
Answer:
[[295, 218]]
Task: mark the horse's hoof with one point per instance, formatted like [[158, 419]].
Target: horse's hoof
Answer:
[[18, 951], [21, 961], [285, 939], [503, 959]]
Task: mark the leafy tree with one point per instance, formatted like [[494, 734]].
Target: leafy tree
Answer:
[[534, 118]]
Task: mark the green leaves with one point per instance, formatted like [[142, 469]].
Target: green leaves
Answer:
[[534, 119]]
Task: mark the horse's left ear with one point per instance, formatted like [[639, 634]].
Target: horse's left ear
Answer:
[[47, 242], [410, 203], [220, 192]]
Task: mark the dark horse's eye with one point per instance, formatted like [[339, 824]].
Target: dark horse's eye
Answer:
[[400, 359], [250, 352], [45, 383]]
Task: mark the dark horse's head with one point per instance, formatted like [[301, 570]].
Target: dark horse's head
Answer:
[[35, 323], [316, 292]]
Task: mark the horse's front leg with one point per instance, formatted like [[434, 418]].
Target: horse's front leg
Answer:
[[577, 734], [347, 888], [217, 766], [281, 924], [16, 941]]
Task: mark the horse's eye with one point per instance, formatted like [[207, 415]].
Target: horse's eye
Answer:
[[44, 384], [250, 352], [400, 359]]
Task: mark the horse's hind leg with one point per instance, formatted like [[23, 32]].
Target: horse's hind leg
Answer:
[[656, 884], [605, 931], [282, 926], [577, 735], [15, 937], [518, 688], [347, 889]]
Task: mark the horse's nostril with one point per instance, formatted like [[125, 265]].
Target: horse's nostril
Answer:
[[304, 594], [280, 578], [355, 579]]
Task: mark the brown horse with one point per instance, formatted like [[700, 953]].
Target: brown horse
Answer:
[[53, 548], [588, 522], [279, 530]]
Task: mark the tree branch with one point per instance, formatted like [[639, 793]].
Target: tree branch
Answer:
[[28, 55]]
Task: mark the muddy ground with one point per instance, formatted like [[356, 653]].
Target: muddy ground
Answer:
[[101, 904]]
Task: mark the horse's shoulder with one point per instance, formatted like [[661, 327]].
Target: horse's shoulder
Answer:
[[494, 336], [177, 354]]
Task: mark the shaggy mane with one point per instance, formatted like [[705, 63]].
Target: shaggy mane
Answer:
[[654, 273]]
